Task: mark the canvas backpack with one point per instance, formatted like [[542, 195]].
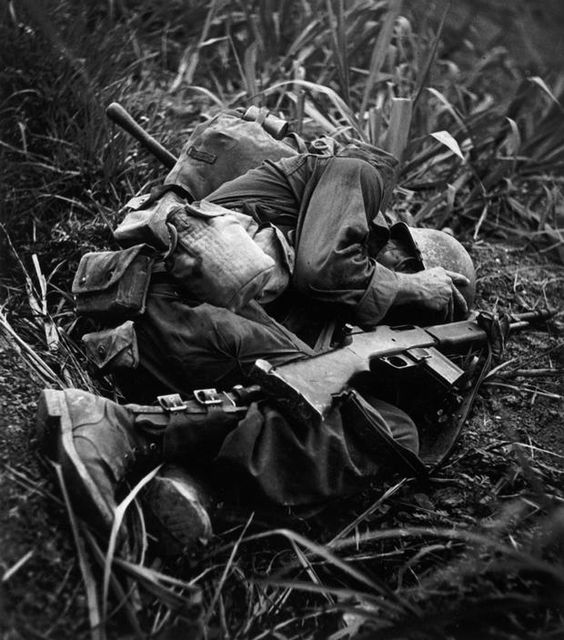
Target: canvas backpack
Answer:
[[233, 142], [226, 147]]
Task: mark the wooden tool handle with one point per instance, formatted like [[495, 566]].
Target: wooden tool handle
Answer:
[[119, 115]]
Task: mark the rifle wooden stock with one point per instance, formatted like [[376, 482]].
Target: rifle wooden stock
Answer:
[[119, 115], [311, 384]]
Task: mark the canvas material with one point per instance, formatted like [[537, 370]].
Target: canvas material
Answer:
[[221, 150], [113, 284], [215, 258], [114, 348]]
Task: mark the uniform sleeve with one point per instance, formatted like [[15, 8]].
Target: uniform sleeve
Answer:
[[378, 297]]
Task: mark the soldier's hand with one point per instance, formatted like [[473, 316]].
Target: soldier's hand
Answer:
[[434, 289]]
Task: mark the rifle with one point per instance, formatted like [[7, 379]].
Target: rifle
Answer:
[[310, 385]]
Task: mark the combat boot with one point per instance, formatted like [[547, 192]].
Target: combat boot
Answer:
[[99, 444], [96, 443], [176, 504]]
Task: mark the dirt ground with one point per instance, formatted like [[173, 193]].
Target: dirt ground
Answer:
[[526, 407], [41, 590]]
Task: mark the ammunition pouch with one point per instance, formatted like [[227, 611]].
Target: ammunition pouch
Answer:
[[113, 349], [113, 284]]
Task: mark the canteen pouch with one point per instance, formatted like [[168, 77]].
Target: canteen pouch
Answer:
[[113, 349], [215, 259], [113, 284]]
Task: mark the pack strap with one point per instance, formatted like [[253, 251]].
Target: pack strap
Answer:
[[237, 400]]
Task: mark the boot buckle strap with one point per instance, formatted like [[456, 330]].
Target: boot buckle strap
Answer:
[[172, 403], [208, 397]]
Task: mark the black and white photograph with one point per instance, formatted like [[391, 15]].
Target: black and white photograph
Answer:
[[281, 320]]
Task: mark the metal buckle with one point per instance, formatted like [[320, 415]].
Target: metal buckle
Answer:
[[207, 397], [172, 402]]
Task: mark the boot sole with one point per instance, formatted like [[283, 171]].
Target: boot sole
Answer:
[[177, 508], [55, 429]]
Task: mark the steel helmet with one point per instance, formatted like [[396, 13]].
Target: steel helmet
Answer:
[[440, 249]]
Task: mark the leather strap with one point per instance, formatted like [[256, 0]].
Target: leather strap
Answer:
[[447, 435]]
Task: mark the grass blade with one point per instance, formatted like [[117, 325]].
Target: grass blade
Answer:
[[542, 84], [371, 509], [191, 57], [445, 138], [329, 93], [123, 598], [250, 68], [17, 566], [380, 50], [36, 364], [424, 74], [95, 614], [308, 567], [226, 570], [398, 130], [339, 46], [116, 527]]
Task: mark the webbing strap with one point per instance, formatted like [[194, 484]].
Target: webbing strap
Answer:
[[447, 435], [205, 401], [497, 328]]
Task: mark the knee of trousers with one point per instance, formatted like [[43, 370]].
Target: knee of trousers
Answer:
[[352, 165]]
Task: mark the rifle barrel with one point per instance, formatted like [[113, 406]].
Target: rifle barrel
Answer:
[[521, 320], [119, 115]]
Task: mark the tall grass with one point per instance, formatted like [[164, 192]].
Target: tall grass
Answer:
[[482, 158]]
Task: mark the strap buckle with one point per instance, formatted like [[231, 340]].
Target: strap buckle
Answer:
[[207, 397], [172, 403]]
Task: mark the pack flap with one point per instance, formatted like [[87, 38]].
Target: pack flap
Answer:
[[101, 270]]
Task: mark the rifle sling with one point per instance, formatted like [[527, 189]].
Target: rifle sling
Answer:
[[448, 434]]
